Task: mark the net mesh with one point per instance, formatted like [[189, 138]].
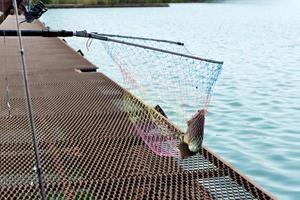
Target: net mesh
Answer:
[[181, 85]]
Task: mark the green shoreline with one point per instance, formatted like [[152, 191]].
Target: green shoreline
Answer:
[[116, 3], [125, 5]]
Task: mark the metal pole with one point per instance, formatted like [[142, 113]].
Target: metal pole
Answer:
[[29, 107], [100, 37]]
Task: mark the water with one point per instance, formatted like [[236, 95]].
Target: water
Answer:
[[253, 119]]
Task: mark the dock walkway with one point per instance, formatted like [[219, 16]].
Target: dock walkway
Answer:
[[88, 146]]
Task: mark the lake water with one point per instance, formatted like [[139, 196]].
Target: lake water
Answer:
[[254, 115]]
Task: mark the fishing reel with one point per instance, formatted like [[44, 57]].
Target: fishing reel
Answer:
[[34, 12]]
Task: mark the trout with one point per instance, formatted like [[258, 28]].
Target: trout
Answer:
[[192, 139]]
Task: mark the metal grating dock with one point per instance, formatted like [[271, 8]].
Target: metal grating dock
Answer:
[[88, 146]]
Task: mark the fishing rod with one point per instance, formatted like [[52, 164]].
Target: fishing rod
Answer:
[[18, 33], [103, 37]]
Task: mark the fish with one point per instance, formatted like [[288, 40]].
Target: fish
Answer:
[[191, 142]]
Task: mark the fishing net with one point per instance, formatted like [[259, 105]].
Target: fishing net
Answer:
[[177, 85]]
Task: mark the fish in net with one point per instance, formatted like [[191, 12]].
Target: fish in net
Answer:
[[167, 77]]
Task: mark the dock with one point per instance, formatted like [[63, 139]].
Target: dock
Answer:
[[88, 146]]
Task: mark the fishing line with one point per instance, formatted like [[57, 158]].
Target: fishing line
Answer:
[[29, 106], [8, 97], [7, 90], [88, 43]]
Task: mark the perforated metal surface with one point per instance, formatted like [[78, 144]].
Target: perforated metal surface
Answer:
[[88, 144]]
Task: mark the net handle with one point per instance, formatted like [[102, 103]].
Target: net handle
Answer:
[[141, 38], [104, 38]]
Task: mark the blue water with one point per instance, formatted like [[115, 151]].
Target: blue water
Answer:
[[254, 115]]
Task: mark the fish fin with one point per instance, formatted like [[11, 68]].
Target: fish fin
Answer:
[[184, 150]]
